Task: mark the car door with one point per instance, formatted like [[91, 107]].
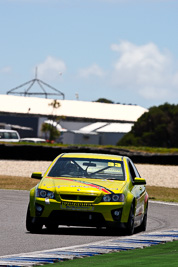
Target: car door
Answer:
[[138, 191]]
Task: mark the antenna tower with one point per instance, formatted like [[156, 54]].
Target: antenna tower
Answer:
[[30, 84]]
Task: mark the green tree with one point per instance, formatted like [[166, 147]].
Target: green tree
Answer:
[[104, 100], [50, 131], [157, 127]]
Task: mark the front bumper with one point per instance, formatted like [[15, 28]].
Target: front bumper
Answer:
[[79, 213]]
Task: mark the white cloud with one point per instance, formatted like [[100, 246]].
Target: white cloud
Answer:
[[51, 68], [145, 70], [6, 69], [93, 70]]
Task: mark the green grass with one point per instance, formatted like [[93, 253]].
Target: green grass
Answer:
[[162, 193], [164, 255]]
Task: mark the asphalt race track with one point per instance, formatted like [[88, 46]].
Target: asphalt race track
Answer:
[[15, 239]]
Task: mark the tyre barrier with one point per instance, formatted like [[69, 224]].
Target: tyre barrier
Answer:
[[48, 153]]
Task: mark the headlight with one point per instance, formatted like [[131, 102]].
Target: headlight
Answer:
[[113, 198], [107, 198], [44, 193]]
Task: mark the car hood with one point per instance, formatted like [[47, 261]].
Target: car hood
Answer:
[[81, 185]]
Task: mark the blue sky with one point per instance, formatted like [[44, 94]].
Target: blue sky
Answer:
[[122, 50]]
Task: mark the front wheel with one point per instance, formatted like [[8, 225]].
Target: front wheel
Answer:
[[130, 223], [51, 227], [32, 224]]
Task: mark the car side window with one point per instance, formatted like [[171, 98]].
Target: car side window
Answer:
[[132, 171], [6, 136], [13, 136], [136, 171]]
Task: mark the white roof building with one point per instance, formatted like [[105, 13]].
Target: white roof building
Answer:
[[104, 127], [80, 116], [70, 108]]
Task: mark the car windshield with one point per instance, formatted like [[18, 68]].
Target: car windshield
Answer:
[[88, 168]]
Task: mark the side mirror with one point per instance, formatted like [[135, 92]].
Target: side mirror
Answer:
[[36, 175], [139, 181]]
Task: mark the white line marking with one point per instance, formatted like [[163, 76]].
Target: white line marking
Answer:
[[164, 203]]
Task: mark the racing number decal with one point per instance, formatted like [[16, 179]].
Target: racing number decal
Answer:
[[112, 164]]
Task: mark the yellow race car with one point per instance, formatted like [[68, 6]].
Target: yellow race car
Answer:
[[84, 189]]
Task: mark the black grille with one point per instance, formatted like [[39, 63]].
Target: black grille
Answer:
[[77, 218], [78, 197]]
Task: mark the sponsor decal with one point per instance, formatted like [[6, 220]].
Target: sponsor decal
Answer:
[[104, 189], [77, 206]]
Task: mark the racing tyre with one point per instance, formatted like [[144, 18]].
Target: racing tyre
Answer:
[[130, 223], [32, 224], [51, 227], [144, 222]]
